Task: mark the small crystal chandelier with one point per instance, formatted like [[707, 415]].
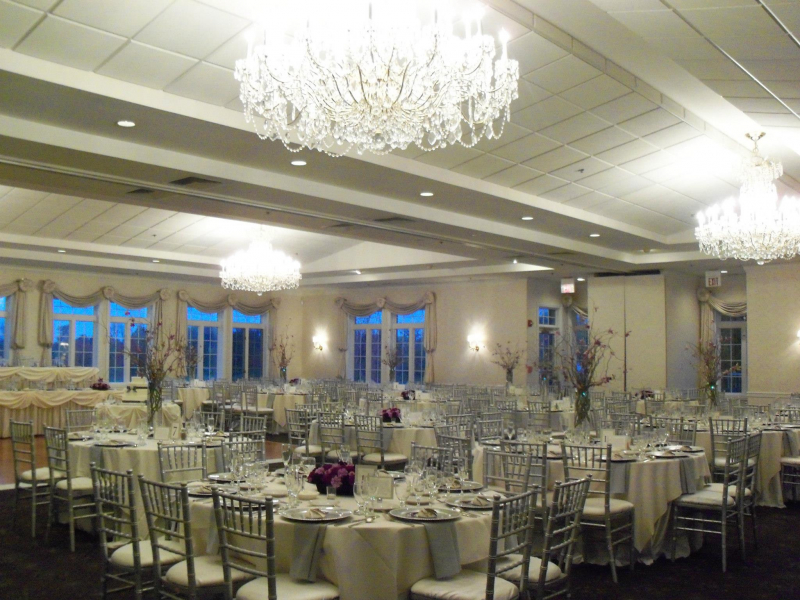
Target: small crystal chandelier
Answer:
[[757, 227], [375, 78], [260, 269]]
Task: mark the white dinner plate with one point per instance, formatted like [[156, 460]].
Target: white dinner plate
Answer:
[[326, 514], [465, 486], [668, 454], [466, 501], [416, 515]]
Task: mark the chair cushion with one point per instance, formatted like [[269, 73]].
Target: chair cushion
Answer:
[[467, 585], [313, 450], [388, 457], [595, 507], [534, 565], [80, 485], [717, 488], [42, 474], [207, 572], [288, 588], [123, 557], [705, 497]]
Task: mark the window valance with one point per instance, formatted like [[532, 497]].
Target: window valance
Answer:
[[709, 304], [17, 290]]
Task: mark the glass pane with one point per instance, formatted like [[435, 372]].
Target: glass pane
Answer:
[[210, 352], [359, 355], [192, 314], [3, 303], [415, 317], [375, 356], [138, 348], [401, 345], [116, 352], [2, 337], [192, 332], [237, 368], [373, 319], [84, 343], [547, 316], [60, 352], [255, 353], [547, 341], [419, 355], [243, 318], [61, 308], [133, 313]]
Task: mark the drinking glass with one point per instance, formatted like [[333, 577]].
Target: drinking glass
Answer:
[[401, 490], [293, 485], [308, 464], [287, 453], [359, 496], [370, 491]]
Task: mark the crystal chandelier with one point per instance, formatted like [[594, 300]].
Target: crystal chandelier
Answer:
[[260, 269], [758, 227], [370, 75]]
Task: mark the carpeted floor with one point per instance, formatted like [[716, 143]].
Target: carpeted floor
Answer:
[[32, 570]]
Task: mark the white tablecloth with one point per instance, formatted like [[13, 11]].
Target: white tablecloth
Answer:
[[192, 399], [50, 374], [129, 415], [281, 402], [396, 439], [46, 408]]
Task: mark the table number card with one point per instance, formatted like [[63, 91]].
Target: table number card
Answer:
[[162, 433], [385, 486]]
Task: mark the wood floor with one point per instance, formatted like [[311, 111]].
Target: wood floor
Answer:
[[272, 450]]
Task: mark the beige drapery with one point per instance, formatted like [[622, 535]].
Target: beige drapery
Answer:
[[17, 290], [428, 302], [232, 300], [105, 294], [709, 304]]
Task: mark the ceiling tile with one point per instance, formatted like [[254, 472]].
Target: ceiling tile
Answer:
[[109, 240], [782, 89], [119, 214], [772, 120], [740, 21], [191, 28], [613, 5], [666, 172], [587, 200], [15, 21], [122, 17], [762, 105], [40, 4], [624, 108], [207, 83], [150, 218], [70, 44], [529, 94], [626, 152], [511, 132], [684, 48], [127, 231], [176, 222], [719, 68], [147, 66], [626, 186], [575, 128], [545, 113], [542, 184], [650, 122], [672, 135], [532, 52], [514, 176], [483, 166], [648, 163], [135, 243], [567, 192], [581, 169], [595, 92], [449, 157], [555, 159], [654, 23], [233, 50], [525, 148], [602, 140], [739, 89], [605, 178], [563, 74], [771, 47], [778, 70]]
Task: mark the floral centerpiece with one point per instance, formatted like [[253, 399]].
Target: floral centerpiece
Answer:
[[390, 414], [190, 360], [583, 359], [282, 352], [391, 360], [100, 385], [508, 358], [341, 476], [707, 358], [408, 395]]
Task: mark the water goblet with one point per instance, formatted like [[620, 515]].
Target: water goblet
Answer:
[[287, 454]]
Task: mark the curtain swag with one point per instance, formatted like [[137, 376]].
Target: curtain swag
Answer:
[[709, 304], [428, 302], [18, 291]]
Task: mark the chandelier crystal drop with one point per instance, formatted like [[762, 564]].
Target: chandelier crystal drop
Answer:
[[758, 227], [371, 75], [260, 269]]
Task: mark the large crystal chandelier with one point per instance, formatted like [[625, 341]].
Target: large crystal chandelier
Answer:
[[260, 269], [758, 227], [370, 74]]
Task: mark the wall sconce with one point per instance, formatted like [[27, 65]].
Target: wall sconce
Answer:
[[798, 335], [317, 342], [474, 342]]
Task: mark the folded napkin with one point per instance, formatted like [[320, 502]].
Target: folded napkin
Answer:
[[481, 501], [443, 543], [306, 549]]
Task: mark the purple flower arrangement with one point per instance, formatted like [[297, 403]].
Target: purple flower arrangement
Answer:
[[100, 385], [341, 476], [391, 414]]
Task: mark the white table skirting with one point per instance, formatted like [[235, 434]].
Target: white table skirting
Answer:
[[50, 374], [46, 408], [192, 399], [130, 415], [395, 439]]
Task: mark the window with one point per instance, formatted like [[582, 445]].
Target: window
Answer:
[[581, 329], [367, 348], [203, 334], [3, 314], [248, 346], [548, 316], [73, 335], [732, 332], [547, 342], [126, 329], [409, 344]]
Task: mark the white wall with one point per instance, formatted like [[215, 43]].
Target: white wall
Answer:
[[683, 327]]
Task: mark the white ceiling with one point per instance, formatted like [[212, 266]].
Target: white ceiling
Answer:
[[594, 144]]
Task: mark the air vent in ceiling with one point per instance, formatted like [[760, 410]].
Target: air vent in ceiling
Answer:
[[393, 220], [139, 191], [631, 274], [194, 181]]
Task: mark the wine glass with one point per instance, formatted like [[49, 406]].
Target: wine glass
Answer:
[[293, 485], [287, 454], [359, 496], [370, 491], [308, 464], [402, 490]]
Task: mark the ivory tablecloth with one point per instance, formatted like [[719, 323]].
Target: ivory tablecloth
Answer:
[[50, 374], [129, 415], [46, 408], [192, 399], [375, 561], [281, 402], [396, 439]]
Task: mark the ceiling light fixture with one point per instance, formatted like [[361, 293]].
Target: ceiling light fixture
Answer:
[[527, 218], [155, 260], [376, 78], [515, 261], [60, 251], [426, 194], [581, 279], [758, 227], [594, 235], [260, 269], [723, 272], [357, 272], [126, 123], [299, 163]]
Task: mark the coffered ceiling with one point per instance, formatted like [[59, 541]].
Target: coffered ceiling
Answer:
[[630, 119]]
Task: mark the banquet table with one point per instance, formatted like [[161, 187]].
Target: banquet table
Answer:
[[46, 407], [395, 439], [192, 399], [281, 402], [76, 375], [371, 561], [130, 414]]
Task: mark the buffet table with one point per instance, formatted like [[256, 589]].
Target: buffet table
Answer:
[[50, 375], [46, 408]]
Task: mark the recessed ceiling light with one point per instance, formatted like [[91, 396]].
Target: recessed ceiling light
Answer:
[[527, 218], [60, 251], [126, 123], [723, 272], [426, 194], [357, 272], [594, 235], [156, 260], [581, 279], [299, 163], [515, 261]]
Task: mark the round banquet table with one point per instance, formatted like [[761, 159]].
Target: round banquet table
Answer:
[[281, 402], [372, 561], [192, 399], [395, 439], [46, 407], [130, 414]]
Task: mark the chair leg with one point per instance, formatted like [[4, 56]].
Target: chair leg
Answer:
[[740, 525], [71, 526], [16, 501], [724, 528], [50, 515], [610, 544], [633, 539], [755, 528], [673, 517], [33, 510]]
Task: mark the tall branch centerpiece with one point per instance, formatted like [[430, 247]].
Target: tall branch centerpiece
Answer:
[[391, 360], [707, 359], [281, 352], [507, 357]]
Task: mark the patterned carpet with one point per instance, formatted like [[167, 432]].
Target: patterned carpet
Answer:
[[33, 570]]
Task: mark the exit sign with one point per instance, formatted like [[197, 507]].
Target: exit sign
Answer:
[[713, 279], [567, 286]]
